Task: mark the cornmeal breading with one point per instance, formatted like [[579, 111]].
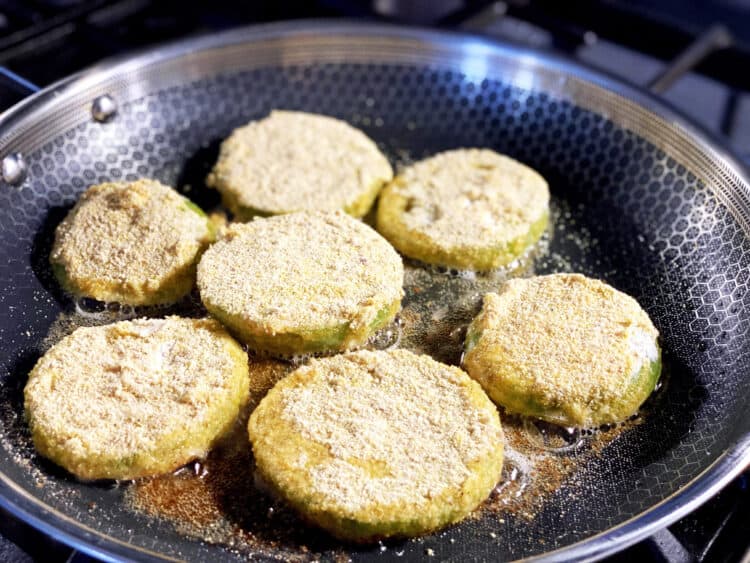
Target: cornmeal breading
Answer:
[[135, 398], [565, 348], [130, 242], [301, 283], [294, 161], [465, 208], [376, 444]]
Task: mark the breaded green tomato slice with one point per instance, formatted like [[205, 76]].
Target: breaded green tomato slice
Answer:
[[302, 283], [370, 445], [467, 208], [564, 348], [130, 242], [136, 398], [295, 161]]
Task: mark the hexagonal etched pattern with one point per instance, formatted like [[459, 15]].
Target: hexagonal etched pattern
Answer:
[[656, 232]]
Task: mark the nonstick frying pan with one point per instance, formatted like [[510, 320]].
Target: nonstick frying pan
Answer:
[[665, 208]]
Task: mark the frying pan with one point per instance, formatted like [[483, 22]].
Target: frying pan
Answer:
[[665, 208]]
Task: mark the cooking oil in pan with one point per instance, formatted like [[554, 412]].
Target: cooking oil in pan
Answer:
[[216, 500], [438, 306]]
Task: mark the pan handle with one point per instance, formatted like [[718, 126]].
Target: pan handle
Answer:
[[13, 88], [713, 39]]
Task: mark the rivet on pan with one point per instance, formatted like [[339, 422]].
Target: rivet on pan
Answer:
[[14, 169], [590, 38], [103, 108]]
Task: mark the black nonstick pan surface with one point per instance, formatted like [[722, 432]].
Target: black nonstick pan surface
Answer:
[[641, 198]]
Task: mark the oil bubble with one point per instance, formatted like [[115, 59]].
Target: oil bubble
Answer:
[[552, 437]]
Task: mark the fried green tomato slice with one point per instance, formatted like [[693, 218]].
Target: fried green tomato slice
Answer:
[[370, 445], [135, 243], [136, 398], [302, 283], [295, 161], [470, 209], [564, 348]]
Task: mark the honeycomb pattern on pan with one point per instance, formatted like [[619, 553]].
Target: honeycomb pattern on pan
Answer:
[[656, 232]]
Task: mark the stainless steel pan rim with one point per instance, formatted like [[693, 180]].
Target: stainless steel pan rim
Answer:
[[72, 96], [61, 528], [455, 49]]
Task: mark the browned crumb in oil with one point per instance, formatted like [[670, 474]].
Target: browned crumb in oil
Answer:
[[532, 471], [225, 506], [264, 374], [217, 501], [195, 497]]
